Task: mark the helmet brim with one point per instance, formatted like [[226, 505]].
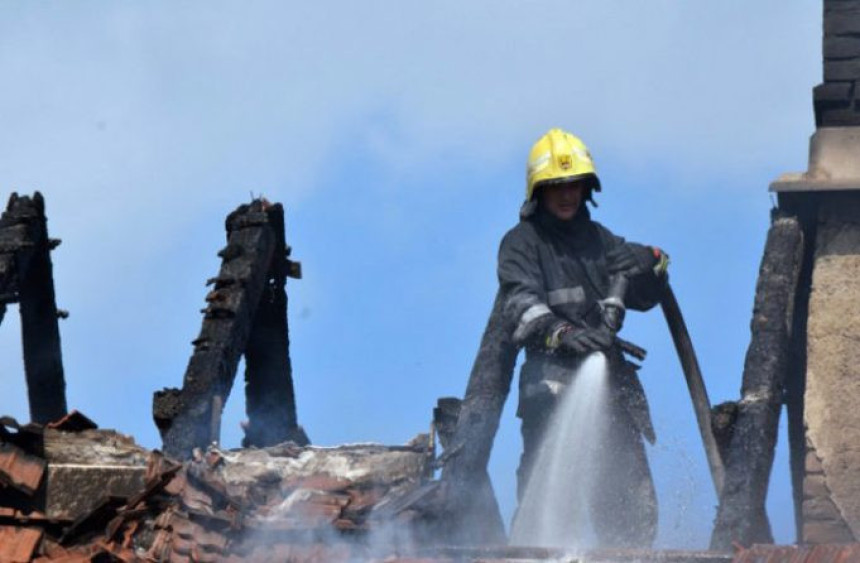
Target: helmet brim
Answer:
[[591, 180]]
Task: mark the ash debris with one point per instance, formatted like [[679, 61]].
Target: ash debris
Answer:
[[285, 503], [302, 504]]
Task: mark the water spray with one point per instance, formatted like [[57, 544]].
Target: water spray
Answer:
[[554, 510], [612, 311]]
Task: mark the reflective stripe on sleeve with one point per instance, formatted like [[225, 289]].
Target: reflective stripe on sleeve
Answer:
[[530, 315], [566, 295], [533, 313]]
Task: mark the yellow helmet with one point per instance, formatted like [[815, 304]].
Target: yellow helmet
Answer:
[[559, 156]]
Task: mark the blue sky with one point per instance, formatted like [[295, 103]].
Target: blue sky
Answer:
[[395, 134]]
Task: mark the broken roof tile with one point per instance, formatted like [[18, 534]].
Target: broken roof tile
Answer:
[[177, 483], [95, 520], [199, 546], [157, 464], [75, 421], [196, 499], [20, 469], [18, 544], [51, 550], [361, 500], [155, 483], [160, 547], [219, 508], [186, 528]]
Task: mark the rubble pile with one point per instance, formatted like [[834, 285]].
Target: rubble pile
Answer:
[[70, 492]]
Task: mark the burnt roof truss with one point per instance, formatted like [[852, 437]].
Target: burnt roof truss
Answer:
[[245, 314]]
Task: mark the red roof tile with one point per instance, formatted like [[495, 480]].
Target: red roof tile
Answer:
[[73, 422], [18, 544], [20, 469], [834, 553]]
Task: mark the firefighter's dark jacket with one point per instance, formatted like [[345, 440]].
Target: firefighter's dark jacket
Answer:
[[553, 271]]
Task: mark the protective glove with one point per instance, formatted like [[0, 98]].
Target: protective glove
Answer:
[[579, 341], [632, 259]]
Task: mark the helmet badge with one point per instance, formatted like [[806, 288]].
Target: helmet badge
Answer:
[[565, 161]]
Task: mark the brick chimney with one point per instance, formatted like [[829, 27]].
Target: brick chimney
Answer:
[[823, 390]]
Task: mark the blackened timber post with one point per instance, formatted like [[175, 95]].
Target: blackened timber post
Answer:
[[741, 517], [40, 331], [191, 417], [805, 207], [26, 276], [7, 266], [269, 396], [470, 499]]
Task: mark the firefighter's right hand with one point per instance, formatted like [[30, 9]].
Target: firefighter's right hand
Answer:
[[582, 341]]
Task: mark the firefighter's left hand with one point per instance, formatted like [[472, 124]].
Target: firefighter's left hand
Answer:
[[632, 259]]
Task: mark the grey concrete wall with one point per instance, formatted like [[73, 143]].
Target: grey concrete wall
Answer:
[[831, 487]]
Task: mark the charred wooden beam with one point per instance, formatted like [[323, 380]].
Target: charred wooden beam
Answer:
[[269, 396], [741, 517], [191, 418], [445, 417], [806, 207], [245, 314], [475, 512], [43, 362], [26, 276], [723, 419]]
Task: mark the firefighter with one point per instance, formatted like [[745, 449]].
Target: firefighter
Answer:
[[554, 269]]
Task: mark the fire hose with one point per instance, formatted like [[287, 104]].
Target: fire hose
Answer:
[[695, 384], [613, 315]]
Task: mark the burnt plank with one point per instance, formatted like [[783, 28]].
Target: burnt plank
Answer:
[[26, 275], [469, 492], [445, 416], [40, 333], [270, 398], [741, 517]]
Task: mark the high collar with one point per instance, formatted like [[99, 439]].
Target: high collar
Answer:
[[574, 228]]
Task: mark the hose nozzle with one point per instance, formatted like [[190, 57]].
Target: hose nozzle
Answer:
[[612, 307]]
